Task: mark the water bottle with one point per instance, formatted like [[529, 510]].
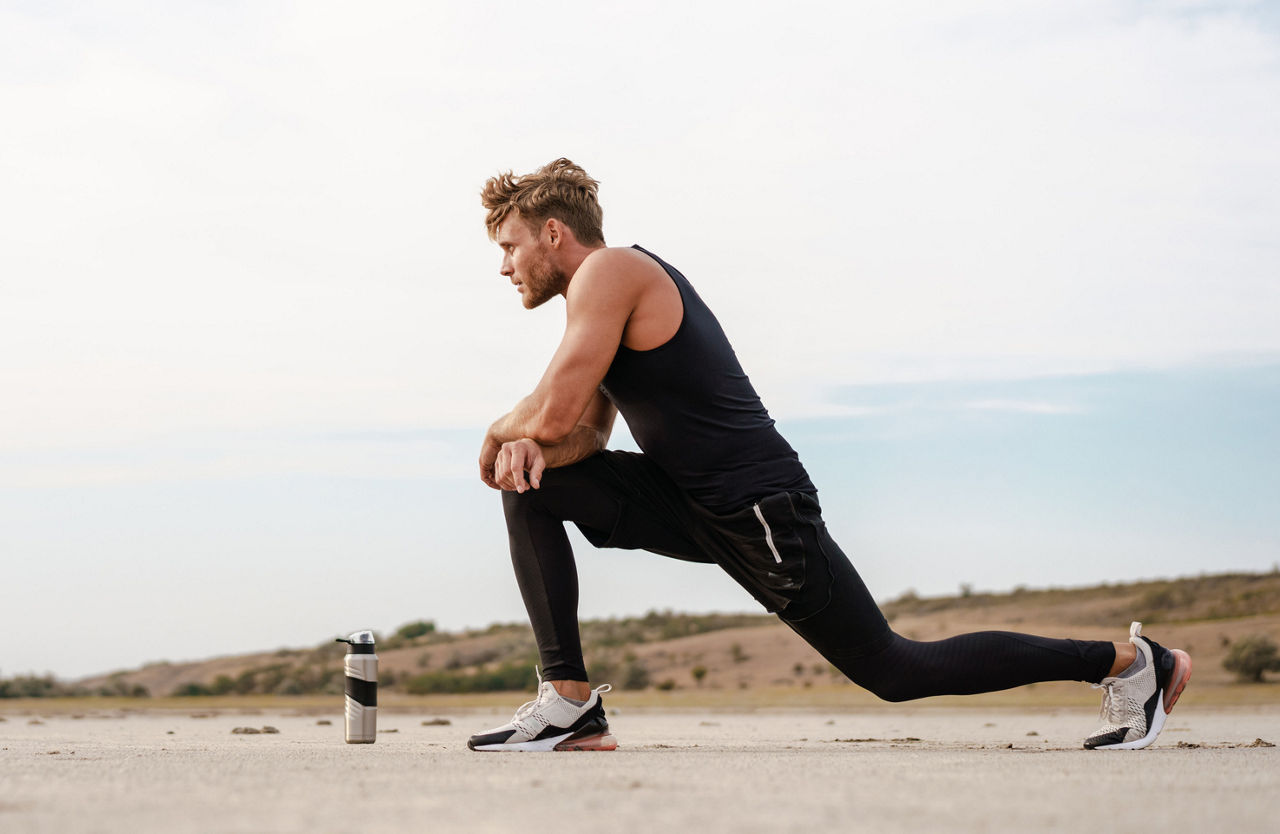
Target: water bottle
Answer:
[[361, 666]]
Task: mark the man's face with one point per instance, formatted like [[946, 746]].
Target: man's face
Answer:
[[526, 260]]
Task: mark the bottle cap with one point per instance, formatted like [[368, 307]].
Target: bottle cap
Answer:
[[361, 642]]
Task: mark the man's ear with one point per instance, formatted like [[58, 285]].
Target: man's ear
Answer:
[[554, 233]]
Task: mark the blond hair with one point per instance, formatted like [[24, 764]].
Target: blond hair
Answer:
[[559, 189]]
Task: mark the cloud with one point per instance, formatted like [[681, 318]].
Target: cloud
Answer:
[[265, 217], [1023, 406], [202, 458]]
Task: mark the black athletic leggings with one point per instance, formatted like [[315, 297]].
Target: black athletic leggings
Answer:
[[621, 499]]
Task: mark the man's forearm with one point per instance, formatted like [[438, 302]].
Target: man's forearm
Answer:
[[515, 425], [508, 426], [582, 443], [583, 440]]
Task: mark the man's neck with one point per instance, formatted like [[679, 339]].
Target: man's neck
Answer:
[[571, 261]]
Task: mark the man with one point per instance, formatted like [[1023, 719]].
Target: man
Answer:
[[715, 483]]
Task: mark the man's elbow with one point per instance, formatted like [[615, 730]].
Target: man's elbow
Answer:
[[549, 438], [552, 429]]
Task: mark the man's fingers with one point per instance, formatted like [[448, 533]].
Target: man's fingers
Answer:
[[535, 471], [512, 461], [487, 474], [503, 468], [518, 453]]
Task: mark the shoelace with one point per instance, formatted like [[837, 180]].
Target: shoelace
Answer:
[[528, 706], [545, 687], [1110, 704]]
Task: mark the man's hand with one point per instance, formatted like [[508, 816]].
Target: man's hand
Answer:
[[514, 459], [488, 461]]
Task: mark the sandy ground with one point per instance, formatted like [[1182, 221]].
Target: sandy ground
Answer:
[[922, 769]]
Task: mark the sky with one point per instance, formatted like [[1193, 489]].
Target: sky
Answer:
[[1006, 274]]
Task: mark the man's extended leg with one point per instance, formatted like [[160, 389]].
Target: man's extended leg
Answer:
[[1141, 678], [898, 669]]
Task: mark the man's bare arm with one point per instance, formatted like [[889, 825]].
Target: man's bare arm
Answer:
[[599, 302], [516, 457], [587, 438]]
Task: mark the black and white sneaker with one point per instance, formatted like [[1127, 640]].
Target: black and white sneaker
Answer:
[[551, 722], [1136, 702]]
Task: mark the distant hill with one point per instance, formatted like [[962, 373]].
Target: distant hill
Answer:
[[668, 650]]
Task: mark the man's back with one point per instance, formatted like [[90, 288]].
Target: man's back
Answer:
[[692, 409]]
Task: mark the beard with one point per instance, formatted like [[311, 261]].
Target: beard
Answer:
[[541, 282]]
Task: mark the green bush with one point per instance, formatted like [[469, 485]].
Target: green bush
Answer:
[[1251, 656], [408, 633], [604, 670], [36, 686], [116, 687], [507, 677], [419, 628], [636, 676], [273, 679]]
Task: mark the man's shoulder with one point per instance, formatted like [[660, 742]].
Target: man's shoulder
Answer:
[[616, 270], [623, 258]]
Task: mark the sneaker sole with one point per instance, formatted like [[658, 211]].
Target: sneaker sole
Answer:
[[1178, 679], [601, 741], [1177, 682]]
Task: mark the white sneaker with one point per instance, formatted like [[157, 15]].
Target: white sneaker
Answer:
[[551, 722], [1136, 702]]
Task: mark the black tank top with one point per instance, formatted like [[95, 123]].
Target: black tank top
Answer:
[[693, 411]]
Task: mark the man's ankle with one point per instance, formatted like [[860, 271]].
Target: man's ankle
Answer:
[[575, 690], [1126, 653]]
